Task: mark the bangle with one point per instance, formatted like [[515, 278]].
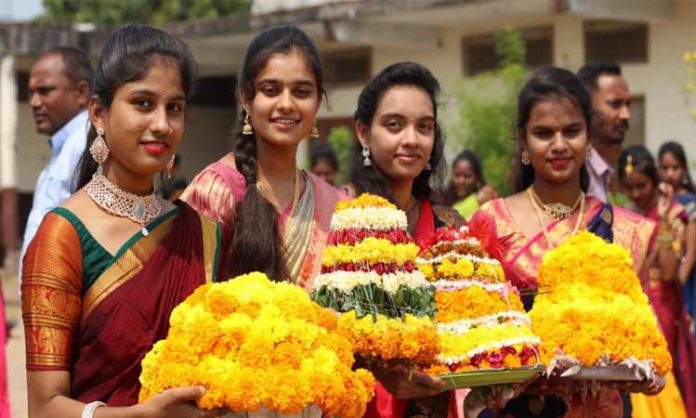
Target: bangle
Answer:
[[88, 411]]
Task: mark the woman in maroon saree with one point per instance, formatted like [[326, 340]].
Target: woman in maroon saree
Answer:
[[106, 269], [398, 154], [639, 178]]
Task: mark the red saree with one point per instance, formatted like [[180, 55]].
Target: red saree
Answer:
[[101, 333], [667, 297], [384, 405]]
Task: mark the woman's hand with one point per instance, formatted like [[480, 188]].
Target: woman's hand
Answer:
[[665, 198], [486, 193], [179, 402], [408, 383]]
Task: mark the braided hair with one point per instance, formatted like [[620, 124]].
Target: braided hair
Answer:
[[255, 238]]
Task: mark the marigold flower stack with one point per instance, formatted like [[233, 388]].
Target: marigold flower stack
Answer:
[[595, 313], [370, 275], [480, 319], [255, 345]]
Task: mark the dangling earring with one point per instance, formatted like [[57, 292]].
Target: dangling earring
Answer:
[[525, 157], [315, 131], [170, 165], [366, 157], [99, 149], [247, 129]]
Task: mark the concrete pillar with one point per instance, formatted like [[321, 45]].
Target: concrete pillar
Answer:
[[8, 162]]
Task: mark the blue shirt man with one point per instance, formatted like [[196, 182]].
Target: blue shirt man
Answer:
[[59, 91]]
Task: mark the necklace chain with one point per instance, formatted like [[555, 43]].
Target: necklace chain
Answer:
[[556, 210], [538, 211], [114, 200]]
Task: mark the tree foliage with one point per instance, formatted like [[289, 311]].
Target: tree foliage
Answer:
[[487, 108], [341, 140], [116, 12]]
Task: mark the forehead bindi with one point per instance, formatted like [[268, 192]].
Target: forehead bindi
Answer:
[[406, 101], [287, 68]]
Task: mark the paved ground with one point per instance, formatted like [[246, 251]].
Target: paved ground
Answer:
[[15, 349]]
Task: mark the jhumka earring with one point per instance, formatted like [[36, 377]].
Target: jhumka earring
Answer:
[[247, 129], [366, 157], [525, 157], [315, 131], [99, 150]]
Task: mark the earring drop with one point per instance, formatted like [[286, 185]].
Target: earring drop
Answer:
[[247, 129], [366, 157], [99, 150], [525, 157], [315, 131]]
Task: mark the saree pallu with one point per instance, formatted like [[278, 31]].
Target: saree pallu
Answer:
[[101, 333], [448, 404], [216, 190], [521, 259]]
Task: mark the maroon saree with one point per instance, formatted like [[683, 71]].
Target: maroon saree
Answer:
[[104, 330]]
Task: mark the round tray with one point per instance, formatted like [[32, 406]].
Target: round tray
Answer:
[[490, 377], [602, 374]]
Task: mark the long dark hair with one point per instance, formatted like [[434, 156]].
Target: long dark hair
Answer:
[[371, 179], [127, 57], [549, 82], [255, 241], [677, 151], [642, 161]]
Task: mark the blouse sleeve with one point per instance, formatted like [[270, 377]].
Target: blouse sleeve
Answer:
[[211, 195], [51, 294]]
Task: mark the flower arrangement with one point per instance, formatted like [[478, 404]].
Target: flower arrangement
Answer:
[[254, 343], [369, 275], [595, 312], [480, 319]]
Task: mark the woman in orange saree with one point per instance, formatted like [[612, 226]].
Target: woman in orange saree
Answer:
[[275, 217], [106, 269], [554, 113]]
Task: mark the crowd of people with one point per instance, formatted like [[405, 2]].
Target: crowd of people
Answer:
[[106, 258]]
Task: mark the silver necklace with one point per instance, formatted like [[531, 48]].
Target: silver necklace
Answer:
[[114, 200]]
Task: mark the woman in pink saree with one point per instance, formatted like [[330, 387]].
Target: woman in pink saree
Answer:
[[550, 205], [275, 217]]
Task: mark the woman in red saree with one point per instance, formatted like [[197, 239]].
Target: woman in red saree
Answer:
[[554, 113], [106, 269], [275, 216], [398, 154], [638, 174]]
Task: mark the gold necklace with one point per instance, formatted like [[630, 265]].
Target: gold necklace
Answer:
[[263, 188], [556, 210], [538, 212]]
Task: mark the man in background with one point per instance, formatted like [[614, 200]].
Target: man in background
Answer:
[[59, 90], [610, 105]]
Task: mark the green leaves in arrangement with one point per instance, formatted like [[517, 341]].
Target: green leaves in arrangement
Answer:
[[371, 300]]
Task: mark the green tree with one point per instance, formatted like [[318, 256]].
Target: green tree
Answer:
[[487, 107], [116, 12], [341, 140]]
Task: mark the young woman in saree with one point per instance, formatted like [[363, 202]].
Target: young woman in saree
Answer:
[[398, 153], [550, 205], [275, 216], [639, 179], [106, 269]]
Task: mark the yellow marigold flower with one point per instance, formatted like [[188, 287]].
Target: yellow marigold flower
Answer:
[[365, 200], [595, 306], [253, 343], [370, 250], [688, 57]]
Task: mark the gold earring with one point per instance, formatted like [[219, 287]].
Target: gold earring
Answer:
[[629, 165], [247, 129], [525, 157], [99, 149], [315, 131]]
